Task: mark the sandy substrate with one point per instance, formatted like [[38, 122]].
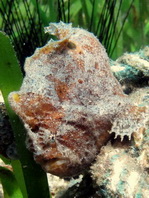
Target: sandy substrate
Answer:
[[1, 189], [1, 98]]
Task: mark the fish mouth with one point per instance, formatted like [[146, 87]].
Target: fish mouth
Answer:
[[63, 167], [57, 166], [57, 161]]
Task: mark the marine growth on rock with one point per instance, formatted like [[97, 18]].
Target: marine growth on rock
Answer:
[[70, 102]]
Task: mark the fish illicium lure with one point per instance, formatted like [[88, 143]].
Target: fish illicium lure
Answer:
[[70, 102]]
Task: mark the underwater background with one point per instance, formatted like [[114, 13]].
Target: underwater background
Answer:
[[121, 26]]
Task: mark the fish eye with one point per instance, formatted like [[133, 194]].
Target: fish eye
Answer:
[[71, 45], [52, 139]]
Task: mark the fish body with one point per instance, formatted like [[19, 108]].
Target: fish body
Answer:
[[70, 102]]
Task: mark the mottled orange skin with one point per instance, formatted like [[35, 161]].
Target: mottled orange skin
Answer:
[[69, 102]]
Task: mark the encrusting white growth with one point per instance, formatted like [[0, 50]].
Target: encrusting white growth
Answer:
[[70, 101], [118, 168]]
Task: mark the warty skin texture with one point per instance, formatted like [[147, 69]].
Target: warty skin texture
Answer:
[[70, 102]]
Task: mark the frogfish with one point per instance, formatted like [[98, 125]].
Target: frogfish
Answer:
[[70, 102]]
